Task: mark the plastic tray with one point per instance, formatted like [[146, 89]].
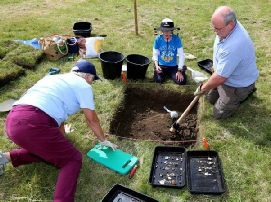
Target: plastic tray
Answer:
[[206, 64], [168, 167], [204, 172], [121, 193]]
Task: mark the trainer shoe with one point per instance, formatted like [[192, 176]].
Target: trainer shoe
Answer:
[[3, 161], [250, 94]]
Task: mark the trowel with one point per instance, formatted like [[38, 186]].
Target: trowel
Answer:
[[197, 76], [173, 114], [176, 124]]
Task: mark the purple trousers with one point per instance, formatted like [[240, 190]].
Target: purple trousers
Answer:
[[40, 140]]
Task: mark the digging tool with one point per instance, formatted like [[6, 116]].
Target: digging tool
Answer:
[[173, 114], [135, 167], [176, 124]]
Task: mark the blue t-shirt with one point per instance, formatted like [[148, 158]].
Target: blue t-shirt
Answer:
[[59, 96], [234, 58], [167, 50]]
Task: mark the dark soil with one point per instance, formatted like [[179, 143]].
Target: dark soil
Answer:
[[141, 116]]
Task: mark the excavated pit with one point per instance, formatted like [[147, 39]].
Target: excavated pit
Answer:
[[141, 116]]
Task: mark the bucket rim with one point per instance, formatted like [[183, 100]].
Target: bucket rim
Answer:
[[136, 63], [82, 22], [82, 30], [112, 52]]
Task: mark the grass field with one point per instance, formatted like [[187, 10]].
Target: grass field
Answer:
[[242, 141]]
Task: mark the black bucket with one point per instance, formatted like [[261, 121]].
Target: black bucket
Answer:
[[82, 29], [111, 62], [137, 66]]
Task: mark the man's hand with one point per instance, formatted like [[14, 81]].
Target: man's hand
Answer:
[[108, 144], [199, 91]]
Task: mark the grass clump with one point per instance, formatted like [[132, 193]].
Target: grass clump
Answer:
[[25, 56], [7, 46], [9, 72]]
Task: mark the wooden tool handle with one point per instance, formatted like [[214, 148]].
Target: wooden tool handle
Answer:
[[187, 110], [184, 114]]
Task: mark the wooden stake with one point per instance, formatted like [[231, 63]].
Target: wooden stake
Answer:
[[135, 14]]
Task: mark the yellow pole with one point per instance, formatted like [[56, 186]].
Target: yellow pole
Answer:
[[135, 13]]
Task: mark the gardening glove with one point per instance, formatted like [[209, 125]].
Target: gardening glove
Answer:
[[68, 128], [199, 91], [108, 144]]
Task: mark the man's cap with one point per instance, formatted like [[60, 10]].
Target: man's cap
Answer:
[[86, 66], [166, 25]]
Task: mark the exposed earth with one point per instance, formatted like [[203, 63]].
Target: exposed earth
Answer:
[[141, 116]]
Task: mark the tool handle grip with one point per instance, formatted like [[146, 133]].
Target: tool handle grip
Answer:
[[133, 171], [165, 108], [205, 143], [123, 77]]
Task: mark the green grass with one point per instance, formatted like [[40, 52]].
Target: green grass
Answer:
[[242, 141]]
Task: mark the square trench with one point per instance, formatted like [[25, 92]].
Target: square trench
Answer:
[[141, 116]]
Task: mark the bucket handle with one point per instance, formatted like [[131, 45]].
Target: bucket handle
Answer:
[[141, 64], [124, 57]]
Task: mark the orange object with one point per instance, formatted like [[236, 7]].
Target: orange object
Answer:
[[123, 77], [133, 171], [205, 143]]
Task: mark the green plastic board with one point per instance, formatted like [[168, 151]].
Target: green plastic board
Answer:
[[117, 160]]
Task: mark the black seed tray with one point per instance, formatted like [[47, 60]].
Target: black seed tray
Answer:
[[204, 172], [168, 167], [121, 193], [206, 64]]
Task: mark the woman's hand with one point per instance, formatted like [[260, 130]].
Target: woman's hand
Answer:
[[159, 69], [179, 76]]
